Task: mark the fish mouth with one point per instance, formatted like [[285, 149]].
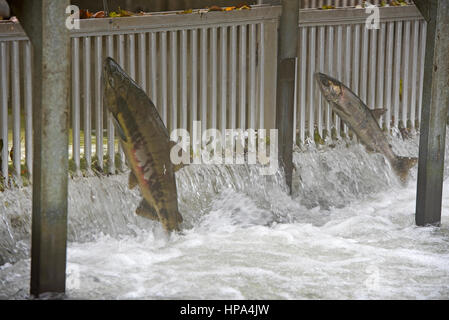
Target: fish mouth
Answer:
[[323, 79]]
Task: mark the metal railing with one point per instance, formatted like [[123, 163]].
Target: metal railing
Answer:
[[214, 67], [312, 4], [15, 101], [219, 68], [383, 66]]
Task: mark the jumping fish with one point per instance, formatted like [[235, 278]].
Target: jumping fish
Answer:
[[146, 144], [363, 121]]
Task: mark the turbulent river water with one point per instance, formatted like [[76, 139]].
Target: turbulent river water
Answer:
[[347, 232]]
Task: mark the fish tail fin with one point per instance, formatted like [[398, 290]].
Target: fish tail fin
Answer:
[[403, 165]]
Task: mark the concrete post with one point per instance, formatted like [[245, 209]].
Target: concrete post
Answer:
[[288, 38], [434, 112], [44, 23]]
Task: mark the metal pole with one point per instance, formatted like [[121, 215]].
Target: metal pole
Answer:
[[288, 36], [434, 112], [44, 23]]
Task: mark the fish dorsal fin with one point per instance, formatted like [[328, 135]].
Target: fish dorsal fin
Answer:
[[378, 113], [132, 180], [146, 210]]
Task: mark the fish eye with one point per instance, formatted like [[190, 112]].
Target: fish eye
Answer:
[[336, 89], [111, 82]]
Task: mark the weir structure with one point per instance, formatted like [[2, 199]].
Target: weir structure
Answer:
[[221, 68]]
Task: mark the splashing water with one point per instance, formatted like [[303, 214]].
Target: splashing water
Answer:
[[347, 232]]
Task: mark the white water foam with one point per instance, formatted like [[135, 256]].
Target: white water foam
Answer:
[[347, 232]]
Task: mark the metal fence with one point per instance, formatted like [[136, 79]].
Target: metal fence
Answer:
[[383, 66], [214, 67], [15, 100], [219, 68]]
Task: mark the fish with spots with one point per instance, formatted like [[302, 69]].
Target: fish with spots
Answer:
[[363, 121], [146, 144]]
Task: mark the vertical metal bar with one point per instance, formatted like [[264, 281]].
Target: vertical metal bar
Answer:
[[184, 79], [194, 80], [434, 115], [163, 77], [364, 65], [295, 104], [414, 78], [288, 38], [302, 85], [233, 72], [224, 76], [262, 77], [121, 62], [330, 66], [131, 55], [15, 79], [174, 80], [356, 60], [43, 21], [87, 103], [76, 103], [389, 75], [252, 76], [4, 107], [371, 101], [142, 70], [98, 100], [423, 35], [397, 71], [317, 92], [242, 81], [312, 102], [213, 73], [110, 125], [348, 52], [339, 70], [28, 109], [381, 70], [153, 68], [204, 79], [405, 82]]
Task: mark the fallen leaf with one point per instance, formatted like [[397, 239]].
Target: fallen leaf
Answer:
[[215, 8], [85, 14], [99, 14]]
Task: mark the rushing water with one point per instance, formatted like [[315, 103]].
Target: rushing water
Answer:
[[347, 232]]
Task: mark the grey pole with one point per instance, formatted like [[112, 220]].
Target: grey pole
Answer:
[[44, 23], [434, 112], [288, 38]]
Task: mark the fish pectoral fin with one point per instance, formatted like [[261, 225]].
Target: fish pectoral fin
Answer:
[[177, 167], [132, 180], [378, 113], [338, 108], [146, 210], [119, 129]]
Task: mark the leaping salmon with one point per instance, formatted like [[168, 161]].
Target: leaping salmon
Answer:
[[146, 144], [363, 121]]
